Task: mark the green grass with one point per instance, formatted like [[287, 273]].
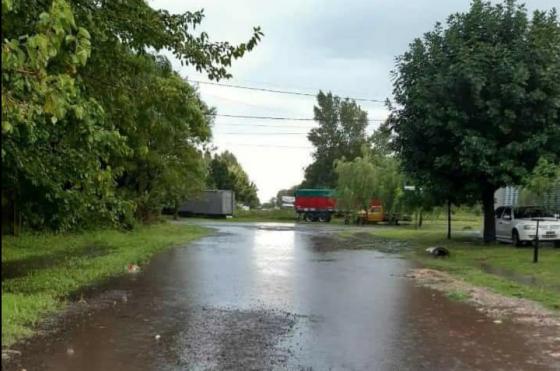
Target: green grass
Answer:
[[40, 271], [253, 215], [271, 215], [501, 267]]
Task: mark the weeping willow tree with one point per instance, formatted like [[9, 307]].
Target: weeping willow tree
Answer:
[[368, 177]]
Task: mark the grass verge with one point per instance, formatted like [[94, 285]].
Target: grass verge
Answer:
[[263, 215], [254, 215], [500, 267], [40, 271]]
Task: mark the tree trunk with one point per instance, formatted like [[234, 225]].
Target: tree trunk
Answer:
[[420, 218], [448, 219], [489, 233]]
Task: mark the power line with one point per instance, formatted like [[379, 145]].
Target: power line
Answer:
[[250, 125], [264, 145], [221, 125], [277, 117], [240, 133], [279, 91]]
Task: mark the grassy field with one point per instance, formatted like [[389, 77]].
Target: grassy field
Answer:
[[40, 271], [501, 267], [274, 215]]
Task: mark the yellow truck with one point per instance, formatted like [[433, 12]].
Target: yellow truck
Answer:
[[376, 214]]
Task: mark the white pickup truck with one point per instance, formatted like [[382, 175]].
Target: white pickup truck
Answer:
[[518, 225]]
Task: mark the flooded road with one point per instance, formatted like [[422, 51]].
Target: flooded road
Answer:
[[266, 296]]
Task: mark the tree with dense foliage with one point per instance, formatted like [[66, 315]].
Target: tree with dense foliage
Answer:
[[381, 140], [165, 133], [366, 178], [390, 182], [357, 183], [227, 173], [55, 146], [477, 101], [341, 134], [96, 125], [542, 186], [544, 178]]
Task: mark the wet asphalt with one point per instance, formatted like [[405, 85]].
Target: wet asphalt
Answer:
[[277, 296]]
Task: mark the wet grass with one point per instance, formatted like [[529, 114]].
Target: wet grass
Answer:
[[274, 215], [256, 215], [44, 270], [501, 267]]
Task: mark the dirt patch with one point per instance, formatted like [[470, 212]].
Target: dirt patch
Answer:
[[543, 324], [495, 305]]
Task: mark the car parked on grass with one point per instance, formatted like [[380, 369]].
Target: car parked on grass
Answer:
[[518, 225]]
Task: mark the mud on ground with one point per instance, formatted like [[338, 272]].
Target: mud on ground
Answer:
[[499, 307]]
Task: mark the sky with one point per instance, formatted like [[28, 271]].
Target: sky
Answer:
[[347, 47]]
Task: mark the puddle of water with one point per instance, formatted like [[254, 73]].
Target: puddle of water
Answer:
[[253, 298], [519, 278]]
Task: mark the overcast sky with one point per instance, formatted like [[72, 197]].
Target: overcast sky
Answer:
[[347, 47]]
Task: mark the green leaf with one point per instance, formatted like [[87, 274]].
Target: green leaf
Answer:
[[7, 6], [6, 127], [79, 112]]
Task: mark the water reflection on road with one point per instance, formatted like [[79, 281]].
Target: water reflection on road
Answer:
[[267, 296]]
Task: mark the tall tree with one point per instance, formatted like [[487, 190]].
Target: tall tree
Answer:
[[477, 102], [119, 133], [227, 173], [165, 123], [55, 146], [341, 134], [381, 140], [165, 132]]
